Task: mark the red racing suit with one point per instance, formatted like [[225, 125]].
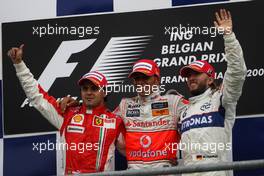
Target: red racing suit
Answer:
[[90, 135], [151, 129]]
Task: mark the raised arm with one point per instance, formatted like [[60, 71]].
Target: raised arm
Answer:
[[236, 69], [40, 99]]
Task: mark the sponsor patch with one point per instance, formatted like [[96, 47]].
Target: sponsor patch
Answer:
[[102, 121], [128, 123], [77, 119], [75, 129], [184, 101], [205, 106], [142, 65], [133, 113], [147, 124], [184, 113], [110, 123], [98, 121], [211, 119], [132, 106], [198, 64], [160, 112], [201, 157], [145, 141], [159, 105], [93, 74]]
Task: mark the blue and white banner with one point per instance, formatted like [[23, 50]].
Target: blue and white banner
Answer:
[[69, 7]]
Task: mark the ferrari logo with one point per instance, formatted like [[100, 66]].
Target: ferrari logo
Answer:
[[98, 121]]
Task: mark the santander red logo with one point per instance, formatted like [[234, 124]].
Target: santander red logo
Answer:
[[128, 123], [147, 124]]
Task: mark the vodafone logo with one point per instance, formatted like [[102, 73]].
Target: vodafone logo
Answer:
[[145, 141]]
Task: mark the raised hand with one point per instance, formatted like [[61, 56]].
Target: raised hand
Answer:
[[16, 54], [224, 21]]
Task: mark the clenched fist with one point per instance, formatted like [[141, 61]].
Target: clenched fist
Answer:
[[16, 54]]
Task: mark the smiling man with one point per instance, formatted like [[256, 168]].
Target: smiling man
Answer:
[[206, 123], [89, 130], [150, 120]]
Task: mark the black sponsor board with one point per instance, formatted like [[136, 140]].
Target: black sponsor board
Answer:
[[59, 51]]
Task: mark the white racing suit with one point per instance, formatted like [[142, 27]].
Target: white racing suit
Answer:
[[206, 123], [151, 129]]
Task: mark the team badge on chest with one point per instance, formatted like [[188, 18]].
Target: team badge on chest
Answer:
[[98, 121]]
